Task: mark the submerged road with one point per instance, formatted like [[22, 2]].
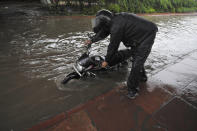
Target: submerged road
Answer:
[[37, 50]]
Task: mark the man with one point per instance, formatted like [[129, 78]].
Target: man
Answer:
[[135, 32]]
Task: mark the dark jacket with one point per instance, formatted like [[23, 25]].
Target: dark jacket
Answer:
[[127, 28]]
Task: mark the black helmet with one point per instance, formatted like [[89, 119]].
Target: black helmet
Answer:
[[105, 13], [102, 20]]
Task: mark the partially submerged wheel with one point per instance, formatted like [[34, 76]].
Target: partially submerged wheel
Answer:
[[69, 77]]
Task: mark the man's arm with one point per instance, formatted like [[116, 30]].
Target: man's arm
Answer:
[[99, 36]]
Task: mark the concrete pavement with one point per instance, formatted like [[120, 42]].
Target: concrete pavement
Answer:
[[167, 102]]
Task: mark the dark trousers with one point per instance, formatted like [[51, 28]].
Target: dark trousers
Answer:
[[139, 54]]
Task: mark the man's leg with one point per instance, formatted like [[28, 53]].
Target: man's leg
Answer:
[[142, 52], [143, 76]]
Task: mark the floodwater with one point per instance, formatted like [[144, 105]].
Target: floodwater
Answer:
[[37, 51]]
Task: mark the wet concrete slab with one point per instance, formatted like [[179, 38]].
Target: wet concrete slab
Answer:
[[177, 77], [178, 115], [152, 97], [167, 102], [112, 111], [118, 113]]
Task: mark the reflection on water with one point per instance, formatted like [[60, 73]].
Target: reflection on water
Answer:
[[37, 52], [176, 38]]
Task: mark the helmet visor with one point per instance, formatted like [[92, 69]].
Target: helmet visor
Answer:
[[96, 22], [93, 22]]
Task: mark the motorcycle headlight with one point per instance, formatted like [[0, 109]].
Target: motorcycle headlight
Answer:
[[79, 67]]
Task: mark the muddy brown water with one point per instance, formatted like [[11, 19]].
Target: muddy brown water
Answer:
[[37, 51]]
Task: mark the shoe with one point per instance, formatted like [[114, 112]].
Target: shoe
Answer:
[[144, 78], [132, 94]]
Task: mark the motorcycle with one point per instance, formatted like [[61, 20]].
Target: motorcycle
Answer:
[[85, 66]]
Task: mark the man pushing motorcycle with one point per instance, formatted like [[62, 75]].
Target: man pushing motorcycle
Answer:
[[135, 32]]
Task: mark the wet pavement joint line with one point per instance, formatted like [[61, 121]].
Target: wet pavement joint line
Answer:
[[167, 91], [163, 105], [188, 83], [92, 121], [187, 102]]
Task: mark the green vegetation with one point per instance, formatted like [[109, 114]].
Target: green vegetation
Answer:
[[89, 7], [152, 6]]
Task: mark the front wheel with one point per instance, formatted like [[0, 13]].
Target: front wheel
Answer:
[[70, 76]]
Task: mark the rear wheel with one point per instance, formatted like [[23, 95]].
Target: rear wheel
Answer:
[[70, 76]]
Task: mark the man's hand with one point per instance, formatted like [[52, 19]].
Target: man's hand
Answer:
[[87, 42], [104, 64]]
